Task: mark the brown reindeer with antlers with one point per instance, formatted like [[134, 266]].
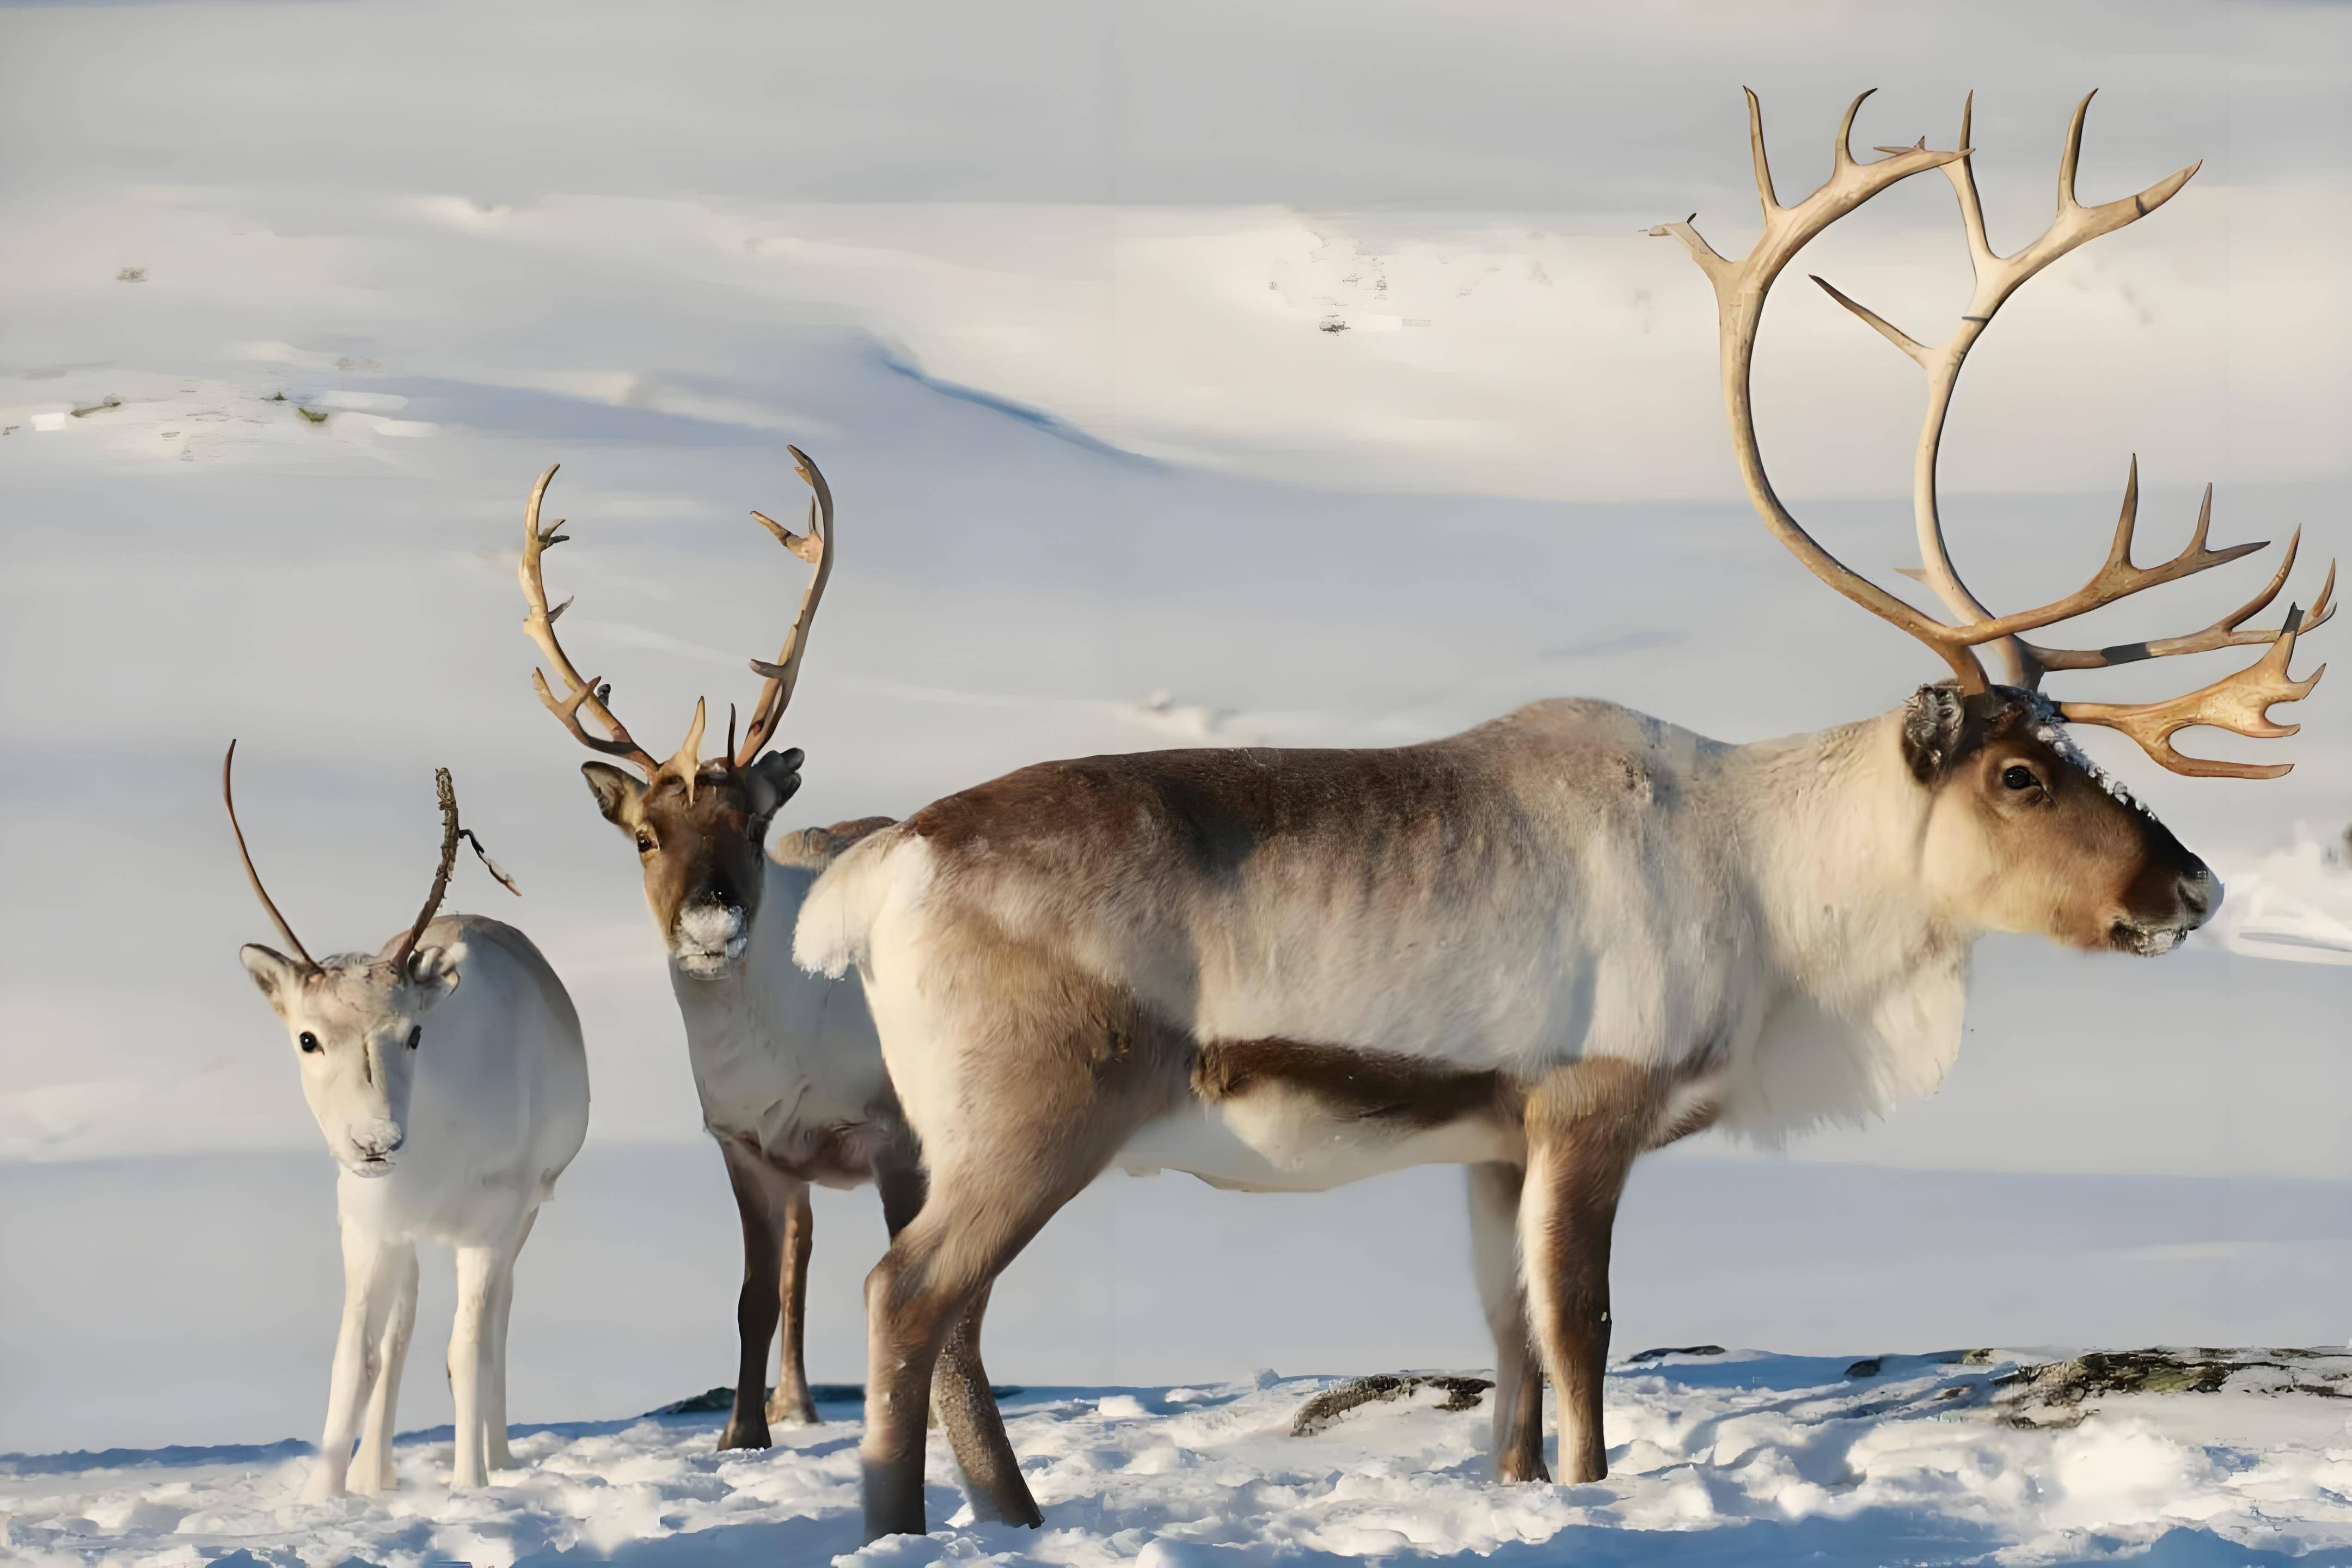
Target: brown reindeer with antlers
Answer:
[[786, 1065], [1538, 949]]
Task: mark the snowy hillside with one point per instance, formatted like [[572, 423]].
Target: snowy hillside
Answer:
[[1739, 1457]]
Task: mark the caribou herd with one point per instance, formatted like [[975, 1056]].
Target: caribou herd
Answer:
[[1538, 949]]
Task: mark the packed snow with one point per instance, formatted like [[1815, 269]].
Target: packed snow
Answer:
[[1715, 1458]]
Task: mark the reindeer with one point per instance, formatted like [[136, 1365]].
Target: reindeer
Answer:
[[786, 1064], [1540, 949], [452, 1135]]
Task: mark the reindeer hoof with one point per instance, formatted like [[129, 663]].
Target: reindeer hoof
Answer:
[[744, 1435]]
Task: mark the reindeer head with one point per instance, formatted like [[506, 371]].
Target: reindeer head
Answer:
[[357, 1019], [2024, 834], [699, 827]]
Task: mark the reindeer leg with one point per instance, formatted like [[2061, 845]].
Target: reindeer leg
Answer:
[[1021, 1144], [370, 1276], [372, 1469], [496, 1455], [898, 1178], [476, 1268], [961, 1398], [967, 1408], [791, 1404], [763, 1202], [1518, 1373], [1586, 1122]]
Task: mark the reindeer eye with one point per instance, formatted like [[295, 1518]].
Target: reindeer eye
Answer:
[[416, 1033], [2017, 776], [644, 842], [309, 1042]]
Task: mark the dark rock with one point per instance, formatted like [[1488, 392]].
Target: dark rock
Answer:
[[1867, 1367], [1675, 1350], [1323, 1409]]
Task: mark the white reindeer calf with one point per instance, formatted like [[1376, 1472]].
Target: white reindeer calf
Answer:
[[452, 1135]]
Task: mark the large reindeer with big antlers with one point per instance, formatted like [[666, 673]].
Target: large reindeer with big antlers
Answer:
[[447, 1074], [785, 1063], [1540, 948]]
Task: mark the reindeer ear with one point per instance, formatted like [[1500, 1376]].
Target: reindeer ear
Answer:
[[620, 797], [278, 976], [433, 971], [771, 781], [1935, 728]]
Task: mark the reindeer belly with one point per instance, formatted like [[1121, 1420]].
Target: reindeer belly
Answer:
[[1289, 1116]]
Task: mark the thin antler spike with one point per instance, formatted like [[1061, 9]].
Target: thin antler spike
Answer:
[[2071, 160], [1967, 117], [688, 761], [2127, 520], [1843, 153], [1886, 329], [731, 732], [1764, 191], [228, 798], [2205, 521]]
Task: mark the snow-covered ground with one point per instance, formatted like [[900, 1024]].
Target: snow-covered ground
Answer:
[[1738, 1458]]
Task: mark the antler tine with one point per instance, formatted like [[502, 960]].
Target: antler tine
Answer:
[[2239, 703], [1764, 192], [2224, 633], [687, 759], [2117, 577], [228, 798], [1740, 288], [539, 621], [816, 547], [448, 790]]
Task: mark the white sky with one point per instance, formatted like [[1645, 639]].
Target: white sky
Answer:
[[1044, 288]]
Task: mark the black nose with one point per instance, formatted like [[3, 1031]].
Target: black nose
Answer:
[[2200, 895]]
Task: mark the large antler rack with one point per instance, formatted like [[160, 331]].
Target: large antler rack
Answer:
[[592, 697], [2239, 703]]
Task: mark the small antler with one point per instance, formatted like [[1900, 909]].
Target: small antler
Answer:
[[448, 790], [814, 547], [228, 797]]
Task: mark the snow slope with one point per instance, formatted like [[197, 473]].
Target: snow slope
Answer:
[[1715, 1458]]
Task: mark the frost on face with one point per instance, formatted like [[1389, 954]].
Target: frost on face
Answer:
[[2049, 729]]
